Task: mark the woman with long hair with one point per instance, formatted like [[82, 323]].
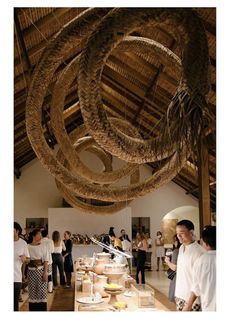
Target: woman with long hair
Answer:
[[141, 247], [68, 260], [58, 259], [172, 264], [160, 251]]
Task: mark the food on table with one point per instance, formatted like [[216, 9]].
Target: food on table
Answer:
[[112, 285], [120, 305]]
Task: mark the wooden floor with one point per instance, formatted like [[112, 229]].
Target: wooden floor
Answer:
[[163, 299], [62, 299]]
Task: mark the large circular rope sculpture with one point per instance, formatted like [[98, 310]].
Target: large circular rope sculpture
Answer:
[[87, 143], [190, 95], [57, 122], [107, 30]]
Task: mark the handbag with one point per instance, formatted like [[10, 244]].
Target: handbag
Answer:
[[170, 274]]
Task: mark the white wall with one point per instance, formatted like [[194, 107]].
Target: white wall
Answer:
[[36, 191], [159, 203], [186, 212], [75, 221]]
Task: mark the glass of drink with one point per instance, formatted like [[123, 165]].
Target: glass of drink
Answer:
[[169, 253]]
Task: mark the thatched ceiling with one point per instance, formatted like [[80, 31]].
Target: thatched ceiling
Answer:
[[133, 88]]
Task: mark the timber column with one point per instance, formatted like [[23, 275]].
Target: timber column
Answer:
[[204, 185]]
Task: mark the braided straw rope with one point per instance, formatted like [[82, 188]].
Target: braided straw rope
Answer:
[[57, 122], [121, 194], [135, 44], [51, 59], [193, 87], [87, 143], [92, 176]]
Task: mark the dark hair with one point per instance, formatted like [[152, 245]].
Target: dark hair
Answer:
[[56, 236], [209, 236], [175, 237], [18, 228], [44, 232], [68, 232], [35, 231], [30, 238], [111, 231], [187, 223]]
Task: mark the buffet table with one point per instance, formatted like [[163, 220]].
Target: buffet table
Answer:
[[131, 302]]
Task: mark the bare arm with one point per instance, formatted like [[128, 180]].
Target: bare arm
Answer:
[[24, 259], [45, 271], [145, 245], [63, 246]]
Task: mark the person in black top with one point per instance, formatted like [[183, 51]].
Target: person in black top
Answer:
[[124, 236], [68, 260], [111, 239], [107, 239]]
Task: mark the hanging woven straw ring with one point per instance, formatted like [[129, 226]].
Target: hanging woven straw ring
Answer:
[[43, 74], [188, 29], [87, 143], [57, 122]]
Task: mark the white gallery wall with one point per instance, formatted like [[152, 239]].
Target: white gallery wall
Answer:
[[35, 192], [76, 221], [186, 212]]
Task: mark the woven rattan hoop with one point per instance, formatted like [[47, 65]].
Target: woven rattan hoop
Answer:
[[75, 202], [43, 73], [88, 143], [135, 44], [57, 122], [91, 176], [109, 33], [124, 192]]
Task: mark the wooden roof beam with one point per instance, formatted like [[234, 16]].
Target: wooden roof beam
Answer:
[[21, 41], [44, 21], [153, 84]]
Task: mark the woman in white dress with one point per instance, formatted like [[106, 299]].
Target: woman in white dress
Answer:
[[160, 251]]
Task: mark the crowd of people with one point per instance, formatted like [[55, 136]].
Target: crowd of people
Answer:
[[191, 265], [193, 288], [37, 257]]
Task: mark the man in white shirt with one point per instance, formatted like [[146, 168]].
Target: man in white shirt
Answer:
[[50, 247], [21, 255], [204, 273], [189, 252]]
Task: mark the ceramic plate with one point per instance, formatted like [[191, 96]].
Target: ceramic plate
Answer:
[[129, 293], [89, 300]]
